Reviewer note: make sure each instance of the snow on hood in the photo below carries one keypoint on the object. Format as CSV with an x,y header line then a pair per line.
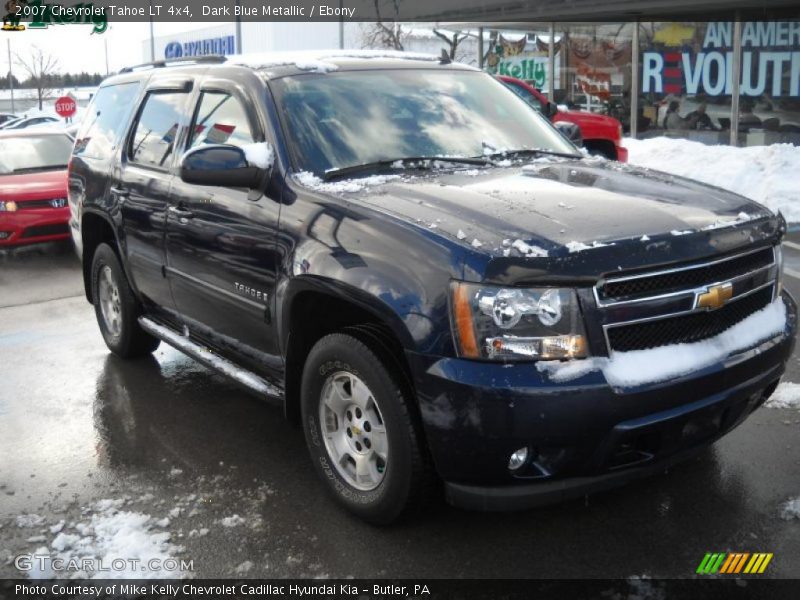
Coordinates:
x,y
640,367
557,207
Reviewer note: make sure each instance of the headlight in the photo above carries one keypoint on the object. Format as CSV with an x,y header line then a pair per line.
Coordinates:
x,y
517,323
8,206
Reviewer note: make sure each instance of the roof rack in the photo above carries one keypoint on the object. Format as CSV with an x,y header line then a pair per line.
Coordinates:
x,y
159,64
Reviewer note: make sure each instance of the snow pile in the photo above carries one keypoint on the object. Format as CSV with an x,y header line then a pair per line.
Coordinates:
x,y
767,174
786,395
344,186
791,509
639,367
114,538
259,155
580,246
523,248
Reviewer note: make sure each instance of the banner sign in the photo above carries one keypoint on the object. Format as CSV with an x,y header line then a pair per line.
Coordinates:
x,y
770,62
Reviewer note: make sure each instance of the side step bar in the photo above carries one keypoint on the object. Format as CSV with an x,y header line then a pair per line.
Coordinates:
x,y
248,379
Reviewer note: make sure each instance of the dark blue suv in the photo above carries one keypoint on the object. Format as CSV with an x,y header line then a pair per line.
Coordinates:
x,y
428,278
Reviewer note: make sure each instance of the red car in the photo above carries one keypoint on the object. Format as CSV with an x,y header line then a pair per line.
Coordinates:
x,y
601,134
33,187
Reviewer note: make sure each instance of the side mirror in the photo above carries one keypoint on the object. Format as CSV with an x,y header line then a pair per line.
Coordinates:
x,y
570,131
551,110
227,166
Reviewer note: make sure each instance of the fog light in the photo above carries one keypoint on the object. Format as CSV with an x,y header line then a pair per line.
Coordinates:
x,y
518,459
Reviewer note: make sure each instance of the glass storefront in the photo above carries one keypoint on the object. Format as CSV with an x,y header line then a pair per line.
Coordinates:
x,y
683,75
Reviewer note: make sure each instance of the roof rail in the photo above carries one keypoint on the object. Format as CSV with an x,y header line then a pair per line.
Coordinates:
x,y
158,64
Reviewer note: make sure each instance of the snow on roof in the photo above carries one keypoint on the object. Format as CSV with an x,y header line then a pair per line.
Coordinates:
x,y
321,61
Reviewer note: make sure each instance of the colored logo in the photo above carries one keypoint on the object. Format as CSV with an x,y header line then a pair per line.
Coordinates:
x,y
715,297
13,15
173,50
733,563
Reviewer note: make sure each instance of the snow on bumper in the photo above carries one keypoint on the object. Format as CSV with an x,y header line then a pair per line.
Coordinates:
x,y
641,367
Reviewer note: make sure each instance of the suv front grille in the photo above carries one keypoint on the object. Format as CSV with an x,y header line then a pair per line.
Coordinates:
x,y
684,278
687,328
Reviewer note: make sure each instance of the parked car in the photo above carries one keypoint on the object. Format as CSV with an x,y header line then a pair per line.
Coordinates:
x,y
33,187
427,277
6,117
601,134
32,122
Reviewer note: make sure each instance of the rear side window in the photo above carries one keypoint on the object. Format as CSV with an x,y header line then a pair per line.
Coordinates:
x,y
154,134
221,119
105,120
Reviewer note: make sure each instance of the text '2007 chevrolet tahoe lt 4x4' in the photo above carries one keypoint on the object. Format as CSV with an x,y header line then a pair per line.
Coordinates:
x,y
427,276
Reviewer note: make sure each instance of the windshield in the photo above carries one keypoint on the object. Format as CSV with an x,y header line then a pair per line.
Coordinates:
x,y
34,153
342,119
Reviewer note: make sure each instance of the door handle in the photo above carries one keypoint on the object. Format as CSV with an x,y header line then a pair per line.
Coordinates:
x,y
180,213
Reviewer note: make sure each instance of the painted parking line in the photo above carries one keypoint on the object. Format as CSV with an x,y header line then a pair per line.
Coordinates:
x,y
791,244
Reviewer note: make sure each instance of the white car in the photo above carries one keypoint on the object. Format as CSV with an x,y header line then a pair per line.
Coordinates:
x,y
32,122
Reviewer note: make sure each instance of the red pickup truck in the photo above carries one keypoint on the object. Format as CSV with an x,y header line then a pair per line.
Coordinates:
x,y
601,134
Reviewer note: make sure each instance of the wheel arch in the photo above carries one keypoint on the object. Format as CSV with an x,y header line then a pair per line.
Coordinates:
x,y
314,307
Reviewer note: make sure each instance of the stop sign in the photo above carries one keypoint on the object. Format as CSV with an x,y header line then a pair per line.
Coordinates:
x,y
65,106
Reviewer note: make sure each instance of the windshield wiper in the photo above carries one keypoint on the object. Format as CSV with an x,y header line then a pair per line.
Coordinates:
x,y
390,162
522,152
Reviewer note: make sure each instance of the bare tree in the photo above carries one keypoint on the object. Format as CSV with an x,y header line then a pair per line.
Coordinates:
x,y
452,39
40,67
382,33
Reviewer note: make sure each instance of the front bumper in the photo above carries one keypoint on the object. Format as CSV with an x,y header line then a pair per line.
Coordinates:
x,y
583,435
31,226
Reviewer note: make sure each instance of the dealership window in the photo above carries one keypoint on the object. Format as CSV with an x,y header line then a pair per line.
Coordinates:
x,y
593,68
157,128
221,119
687,77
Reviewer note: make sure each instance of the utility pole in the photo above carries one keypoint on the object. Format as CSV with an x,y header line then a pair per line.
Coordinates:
x,y
238,29
152,40
10,77
105,43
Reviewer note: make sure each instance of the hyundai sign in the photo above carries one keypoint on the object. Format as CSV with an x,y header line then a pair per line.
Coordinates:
x,y
219,45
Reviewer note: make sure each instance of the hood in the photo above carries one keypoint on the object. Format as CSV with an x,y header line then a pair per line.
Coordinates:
x,y
554,208
589,118
34,186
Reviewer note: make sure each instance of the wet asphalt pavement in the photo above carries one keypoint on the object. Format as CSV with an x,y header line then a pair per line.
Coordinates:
x,y
167,437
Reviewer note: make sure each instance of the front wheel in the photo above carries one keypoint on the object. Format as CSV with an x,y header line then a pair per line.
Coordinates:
x,y
116,308
365,443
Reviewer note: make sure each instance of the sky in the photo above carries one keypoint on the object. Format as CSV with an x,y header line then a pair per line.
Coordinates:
x,y
78,49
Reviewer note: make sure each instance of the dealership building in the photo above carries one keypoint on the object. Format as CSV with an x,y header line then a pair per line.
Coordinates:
x,y
637,64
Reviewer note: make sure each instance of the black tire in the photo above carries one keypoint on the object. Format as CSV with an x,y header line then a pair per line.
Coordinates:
x,y
408,481
130,340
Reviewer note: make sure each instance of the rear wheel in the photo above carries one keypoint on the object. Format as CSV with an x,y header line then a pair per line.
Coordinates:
x,y
116,308
365,443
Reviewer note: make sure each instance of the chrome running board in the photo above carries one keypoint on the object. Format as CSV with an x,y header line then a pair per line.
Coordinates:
x,y
248,379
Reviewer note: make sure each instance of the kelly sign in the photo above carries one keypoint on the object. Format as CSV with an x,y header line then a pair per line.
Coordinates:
x,y
770,57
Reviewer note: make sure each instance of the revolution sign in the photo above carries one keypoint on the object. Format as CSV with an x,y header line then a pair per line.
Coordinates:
x,y
770,60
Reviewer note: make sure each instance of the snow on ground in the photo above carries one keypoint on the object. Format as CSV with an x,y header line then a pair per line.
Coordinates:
x,y
639,367
787,395
114,537
767,174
